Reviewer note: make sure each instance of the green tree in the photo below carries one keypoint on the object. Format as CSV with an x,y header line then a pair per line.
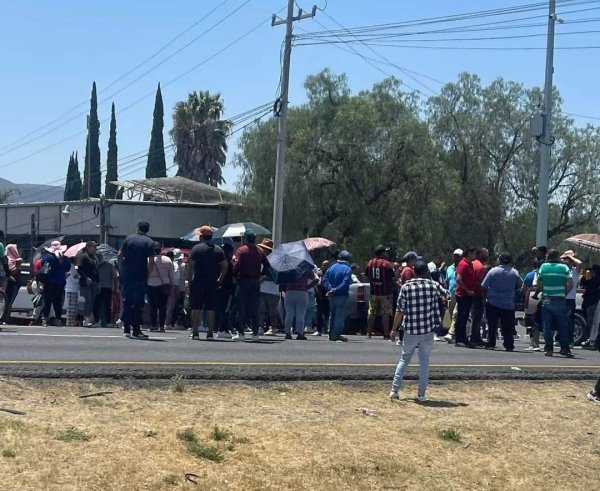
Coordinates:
x,y
73,182
157,165
200,137
92,172
112,171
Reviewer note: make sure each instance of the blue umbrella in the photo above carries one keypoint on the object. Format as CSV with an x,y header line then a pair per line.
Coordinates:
x,y
290,262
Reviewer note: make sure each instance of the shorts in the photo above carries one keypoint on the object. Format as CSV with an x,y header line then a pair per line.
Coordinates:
x,y
204,297
380,305
268,304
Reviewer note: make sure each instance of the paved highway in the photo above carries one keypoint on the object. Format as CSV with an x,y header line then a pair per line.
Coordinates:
x,y
67,351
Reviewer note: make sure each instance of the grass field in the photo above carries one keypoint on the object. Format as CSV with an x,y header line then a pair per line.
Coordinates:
x,y
306,436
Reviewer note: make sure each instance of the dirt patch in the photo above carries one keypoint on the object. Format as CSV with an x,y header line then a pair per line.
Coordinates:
x,y
304,436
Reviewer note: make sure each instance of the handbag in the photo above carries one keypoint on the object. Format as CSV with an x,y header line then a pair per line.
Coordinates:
x,y
166,287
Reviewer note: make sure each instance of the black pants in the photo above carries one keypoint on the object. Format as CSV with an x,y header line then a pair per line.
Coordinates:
x,y
506,318
158,304
224,308
53,297
323,311
12,289
248,294
463,304
103,307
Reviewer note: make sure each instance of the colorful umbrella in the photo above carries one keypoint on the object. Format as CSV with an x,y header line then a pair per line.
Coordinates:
x,y
75,249
313,243
239,229
588,245
289,262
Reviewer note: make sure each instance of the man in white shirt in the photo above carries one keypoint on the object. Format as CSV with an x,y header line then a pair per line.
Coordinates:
x,y
570,259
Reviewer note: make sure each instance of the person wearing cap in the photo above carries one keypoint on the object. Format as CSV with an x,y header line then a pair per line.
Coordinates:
x,y
417,313
466,281
555,281
336,282
500,287
451,280
575,265
249,265
269,295
53,275
135,264
88,283
206,271
380,274
409,259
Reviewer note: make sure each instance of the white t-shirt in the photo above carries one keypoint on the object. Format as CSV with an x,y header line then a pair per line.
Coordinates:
x,y
72,281
269,287
572,295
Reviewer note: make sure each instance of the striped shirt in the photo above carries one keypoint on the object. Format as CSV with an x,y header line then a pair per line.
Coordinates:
x,y
554,278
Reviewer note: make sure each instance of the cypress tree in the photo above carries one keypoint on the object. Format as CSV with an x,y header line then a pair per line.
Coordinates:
x,y
157,165
112,173
92,153
73,184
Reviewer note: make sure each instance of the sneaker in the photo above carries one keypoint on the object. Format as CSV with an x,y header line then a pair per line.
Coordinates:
x,y
255,338
394,395
533,348
421,399
593,397
223,335
141,335
44,323
517,336
261,331
88,324
343,339
210,336
238,337
566,354
127,335
195,336
316,333
119,323
449,338
398,343
288,336
270,332
301,337
548,353
438,338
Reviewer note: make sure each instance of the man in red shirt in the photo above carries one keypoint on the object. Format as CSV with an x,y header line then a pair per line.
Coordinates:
x,y
250,262
380,274
478,301
466,280
410,258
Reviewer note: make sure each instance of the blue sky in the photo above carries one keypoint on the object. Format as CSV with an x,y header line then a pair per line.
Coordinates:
x,y
52,51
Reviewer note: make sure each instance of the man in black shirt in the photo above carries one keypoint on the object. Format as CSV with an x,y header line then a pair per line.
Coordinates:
x,y
206,272
134,267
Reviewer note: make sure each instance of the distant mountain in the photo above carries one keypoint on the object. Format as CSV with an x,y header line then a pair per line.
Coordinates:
x,y
32,193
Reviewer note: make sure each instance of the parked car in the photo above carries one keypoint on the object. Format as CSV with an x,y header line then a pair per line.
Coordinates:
x,y
358,307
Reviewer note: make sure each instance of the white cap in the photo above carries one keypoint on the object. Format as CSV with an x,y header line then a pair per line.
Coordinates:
x,y
458,252
432,267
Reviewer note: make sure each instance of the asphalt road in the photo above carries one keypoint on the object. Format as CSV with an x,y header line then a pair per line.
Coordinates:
x,y
79,352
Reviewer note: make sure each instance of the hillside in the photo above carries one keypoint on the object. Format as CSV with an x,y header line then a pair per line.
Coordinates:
x,y
30,193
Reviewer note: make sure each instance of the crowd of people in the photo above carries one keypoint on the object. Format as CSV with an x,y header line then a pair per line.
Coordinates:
x,y
229,290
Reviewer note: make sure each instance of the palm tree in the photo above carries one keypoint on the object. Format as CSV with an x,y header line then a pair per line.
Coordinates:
x,y
200,137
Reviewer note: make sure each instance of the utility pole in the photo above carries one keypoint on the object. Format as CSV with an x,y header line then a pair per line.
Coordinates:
x,y
89,159
546,139
282,127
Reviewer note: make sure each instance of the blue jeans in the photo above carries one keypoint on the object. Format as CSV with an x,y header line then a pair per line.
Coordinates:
x,y
337,318
555,311
422,342
248,298
133,303
89,294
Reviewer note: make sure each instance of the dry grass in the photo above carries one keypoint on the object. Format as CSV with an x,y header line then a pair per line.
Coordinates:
x,y
313,436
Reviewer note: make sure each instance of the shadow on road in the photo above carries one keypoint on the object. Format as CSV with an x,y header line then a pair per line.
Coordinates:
x,y
442,404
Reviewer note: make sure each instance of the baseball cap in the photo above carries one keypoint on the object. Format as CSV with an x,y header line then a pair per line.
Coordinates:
x,y
458,252
91,243
380,248
250,234
344,255
421,267
411,256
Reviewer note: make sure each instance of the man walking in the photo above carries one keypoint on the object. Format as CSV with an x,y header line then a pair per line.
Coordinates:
x,y
337,282
89,283
249,264
380,274
418,314
500,286
466,281
206,271
554,281
134,265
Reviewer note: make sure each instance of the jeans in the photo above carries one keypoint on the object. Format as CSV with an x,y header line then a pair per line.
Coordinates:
x,y
133,303
463,307
12,289
593,326
248,298
477,308
555,310
506,318
104,306
224,308
337,318
311,311
422,342
571,304
89,294
296,303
